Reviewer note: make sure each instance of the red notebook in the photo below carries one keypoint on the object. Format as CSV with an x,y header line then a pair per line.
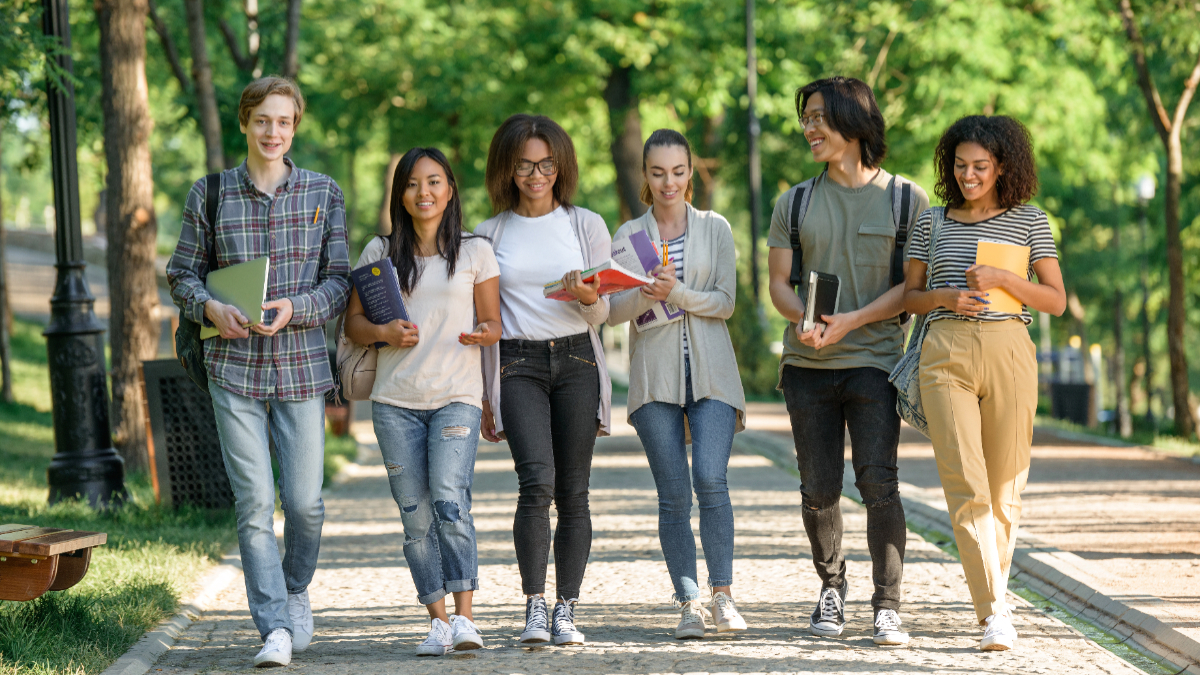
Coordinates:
x,y
613,279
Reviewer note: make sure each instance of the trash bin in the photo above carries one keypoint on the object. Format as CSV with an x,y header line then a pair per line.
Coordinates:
x,y
1070,401
186,466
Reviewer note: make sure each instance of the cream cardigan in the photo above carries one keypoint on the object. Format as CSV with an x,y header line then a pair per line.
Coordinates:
x,y
596,245
707,295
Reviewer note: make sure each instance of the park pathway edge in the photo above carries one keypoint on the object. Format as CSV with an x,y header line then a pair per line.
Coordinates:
x,y
1047,570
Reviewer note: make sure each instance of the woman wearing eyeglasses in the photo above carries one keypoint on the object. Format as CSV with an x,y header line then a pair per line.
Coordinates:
x,y
546,389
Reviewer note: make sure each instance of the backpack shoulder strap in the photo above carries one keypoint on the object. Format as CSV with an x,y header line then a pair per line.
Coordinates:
x,y
212,201
801,196
902,206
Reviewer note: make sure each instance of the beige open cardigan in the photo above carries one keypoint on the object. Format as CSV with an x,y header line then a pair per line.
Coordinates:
x,y
596,245
707,295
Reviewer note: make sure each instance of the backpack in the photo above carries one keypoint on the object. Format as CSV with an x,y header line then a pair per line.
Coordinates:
x,y
902,208
188,346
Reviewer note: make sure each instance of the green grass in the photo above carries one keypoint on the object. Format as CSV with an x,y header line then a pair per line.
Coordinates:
x,y
152,558
1142,435
339,451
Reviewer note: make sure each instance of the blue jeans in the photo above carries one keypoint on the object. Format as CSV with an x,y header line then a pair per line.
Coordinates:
x,y
712,424
430,461
298,428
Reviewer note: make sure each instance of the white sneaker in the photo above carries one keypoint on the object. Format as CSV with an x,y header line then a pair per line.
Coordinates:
x,y
725,613
691,621
465,632
887,628
277,651
999,635
437,643
829,618
537,625
300,612
563,628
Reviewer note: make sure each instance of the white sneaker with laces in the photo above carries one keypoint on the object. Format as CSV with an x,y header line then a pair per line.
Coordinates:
x,y
438,642
887,628
999,635
277,651
465,633
691,622
725,613
563,629
829,618
537,624
300,612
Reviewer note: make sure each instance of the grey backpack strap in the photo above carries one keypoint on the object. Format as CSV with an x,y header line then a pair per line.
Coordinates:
x,y
801,196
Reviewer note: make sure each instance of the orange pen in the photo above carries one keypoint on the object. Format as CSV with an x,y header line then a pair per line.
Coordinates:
x,y
318,213
664,254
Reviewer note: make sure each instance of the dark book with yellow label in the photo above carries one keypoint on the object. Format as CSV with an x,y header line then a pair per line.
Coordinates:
x,y
379,292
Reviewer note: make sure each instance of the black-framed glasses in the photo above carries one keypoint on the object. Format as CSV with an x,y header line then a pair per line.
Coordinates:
x,y
815,119
546,167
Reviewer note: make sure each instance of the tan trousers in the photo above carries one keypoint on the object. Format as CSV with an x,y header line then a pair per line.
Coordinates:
x,y
979,390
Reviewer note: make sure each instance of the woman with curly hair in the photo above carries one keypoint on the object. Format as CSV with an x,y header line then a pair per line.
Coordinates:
x,y
978,370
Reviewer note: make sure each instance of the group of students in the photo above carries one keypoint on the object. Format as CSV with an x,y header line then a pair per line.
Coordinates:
x,y
485,353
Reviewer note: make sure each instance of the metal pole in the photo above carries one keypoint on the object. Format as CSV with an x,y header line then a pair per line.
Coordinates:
x,y
84,462
755,164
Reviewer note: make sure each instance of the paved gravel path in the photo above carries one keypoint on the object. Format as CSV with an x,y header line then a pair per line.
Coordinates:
x,y
367,619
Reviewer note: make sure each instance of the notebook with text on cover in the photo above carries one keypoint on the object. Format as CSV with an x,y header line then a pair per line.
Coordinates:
x,y
378,290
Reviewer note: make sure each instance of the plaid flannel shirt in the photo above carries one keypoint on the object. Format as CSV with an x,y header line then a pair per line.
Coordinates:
x,y
310,265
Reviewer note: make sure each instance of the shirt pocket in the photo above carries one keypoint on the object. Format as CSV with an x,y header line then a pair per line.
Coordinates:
x,y
874,244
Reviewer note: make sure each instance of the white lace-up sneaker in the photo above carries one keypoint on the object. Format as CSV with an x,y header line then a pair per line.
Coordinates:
x,y
300,612
537,624
465,632
999,635
829,618
887,628
438,642
277,651
691,622
563,629
725,613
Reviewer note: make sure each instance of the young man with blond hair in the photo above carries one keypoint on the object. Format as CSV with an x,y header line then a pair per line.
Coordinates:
x,y
270,378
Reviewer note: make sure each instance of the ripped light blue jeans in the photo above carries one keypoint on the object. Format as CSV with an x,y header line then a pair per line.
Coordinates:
x,y
430,461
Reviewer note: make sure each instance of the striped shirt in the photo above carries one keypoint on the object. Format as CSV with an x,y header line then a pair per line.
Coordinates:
x,y
675,252
309,265
1023,225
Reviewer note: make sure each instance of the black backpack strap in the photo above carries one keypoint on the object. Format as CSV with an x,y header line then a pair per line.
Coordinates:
x,y
212,199
902,232
801,195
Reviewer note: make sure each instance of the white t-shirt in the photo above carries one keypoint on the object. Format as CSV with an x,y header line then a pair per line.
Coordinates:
x,y
534,252
437,371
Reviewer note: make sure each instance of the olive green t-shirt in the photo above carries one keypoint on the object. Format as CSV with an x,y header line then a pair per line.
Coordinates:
x,y
850,233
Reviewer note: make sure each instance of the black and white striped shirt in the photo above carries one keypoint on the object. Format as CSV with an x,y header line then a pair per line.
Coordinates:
x,y
1023,225
675,252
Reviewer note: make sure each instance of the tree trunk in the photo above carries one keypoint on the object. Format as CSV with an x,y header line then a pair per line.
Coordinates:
x,y
1185,421
625,124
6,393
385,207
707,161
132,227
291,52
1119,379
206,95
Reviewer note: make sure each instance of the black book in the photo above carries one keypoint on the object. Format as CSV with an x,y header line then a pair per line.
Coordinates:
x,y
823,292
379,292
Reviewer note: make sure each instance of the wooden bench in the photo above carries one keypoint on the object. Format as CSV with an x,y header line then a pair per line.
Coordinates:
x,y
34,560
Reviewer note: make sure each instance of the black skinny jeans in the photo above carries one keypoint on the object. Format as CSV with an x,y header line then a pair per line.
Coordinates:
x,y
822,404
549,393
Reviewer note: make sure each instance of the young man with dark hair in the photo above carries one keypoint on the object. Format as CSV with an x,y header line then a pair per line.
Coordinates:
x,y
272,377
851,221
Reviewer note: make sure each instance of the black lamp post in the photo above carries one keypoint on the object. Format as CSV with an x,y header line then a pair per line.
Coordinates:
x,y
85,462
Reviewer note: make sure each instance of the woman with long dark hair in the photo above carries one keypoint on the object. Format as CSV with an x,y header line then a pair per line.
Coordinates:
x,y
548,391
978,371
684,386
427,394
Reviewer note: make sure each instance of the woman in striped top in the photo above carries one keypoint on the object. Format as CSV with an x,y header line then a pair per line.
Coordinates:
x,y
684,385
978,366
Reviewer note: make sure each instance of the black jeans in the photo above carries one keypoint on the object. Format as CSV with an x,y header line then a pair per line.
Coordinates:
x,y
549,393
822,404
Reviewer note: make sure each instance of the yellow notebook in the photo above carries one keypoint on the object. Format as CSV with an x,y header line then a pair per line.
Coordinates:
x,y
1009,257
